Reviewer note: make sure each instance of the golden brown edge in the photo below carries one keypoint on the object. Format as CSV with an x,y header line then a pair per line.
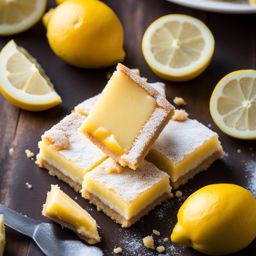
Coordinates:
x,y
202,167
116,216
54,171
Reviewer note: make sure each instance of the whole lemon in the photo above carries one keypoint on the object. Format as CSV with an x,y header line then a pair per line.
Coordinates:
x,y
217,219
85,33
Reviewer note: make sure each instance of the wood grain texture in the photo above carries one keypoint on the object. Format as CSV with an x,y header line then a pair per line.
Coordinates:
x,y
235,49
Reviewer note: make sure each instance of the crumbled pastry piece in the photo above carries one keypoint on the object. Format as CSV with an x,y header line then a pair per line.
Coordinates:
x,y
179,101
178,194
156,232
160,248
11,151
113,167
148,242
118,250
180,115
29,153
166,239
28,185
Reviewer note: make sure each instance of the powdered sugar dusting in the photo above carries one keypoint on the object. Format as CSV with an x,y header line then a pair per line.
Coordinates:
x,y
129,184
179,139
250,170
80,150
146,135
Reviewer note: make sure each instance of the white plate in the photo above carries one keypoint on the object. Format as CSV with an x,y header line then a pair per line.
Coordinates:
x,y
218,5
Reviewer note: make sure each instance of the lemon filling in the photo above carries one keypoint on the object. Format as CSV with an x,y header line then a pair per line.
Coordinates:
x,y
60,206
120,113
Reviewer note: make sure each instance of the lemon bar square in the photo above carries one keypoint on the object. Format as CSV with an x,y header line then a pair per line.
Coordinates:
x,y
127,196
127,118
68,154
60,208
2,235
183,149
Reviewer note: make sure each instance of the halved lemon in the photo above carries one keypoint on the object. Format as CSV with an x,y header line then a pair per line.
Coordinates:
x,y
233,104
23,82
19,15
178,47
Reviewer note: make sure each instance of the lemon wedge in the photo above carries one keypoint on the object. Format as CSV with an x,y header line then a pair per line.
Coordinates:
x,y
178,47
23,82
233,104
217,219
19,15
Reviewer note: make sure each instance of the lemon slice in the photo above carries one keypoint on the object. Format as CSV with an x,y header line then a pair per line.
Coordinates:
x,y
23,82
178,47
233,104
19,15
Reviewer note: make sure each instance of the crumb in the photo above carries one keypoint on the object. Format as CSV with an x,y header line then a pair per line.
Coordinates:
x,y
209,125
11,151
113,167
29,154
28,185
118,250
166,239
109,74
148,242
239,150
179,101
180,115
156,232
178,194
160,248
76,198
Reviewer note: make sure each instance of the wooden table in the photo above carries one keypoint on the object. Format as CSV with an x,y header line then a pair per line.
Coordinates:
x,y
235,49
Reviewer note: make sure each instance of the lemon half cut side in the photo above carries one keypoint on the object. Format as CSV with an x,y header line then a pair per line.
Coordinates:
x,y
233,104
178,47
19,15
23,82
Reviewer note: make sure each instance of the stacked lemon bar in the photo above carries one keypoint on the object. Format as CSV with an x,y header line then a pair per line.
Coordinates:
x,y
100,148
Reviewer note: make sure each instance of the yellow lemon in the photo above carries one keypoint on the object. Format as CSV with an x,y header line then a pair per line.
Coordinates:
x,y
217,219
178,47
86,34
23,82
2,235
233,104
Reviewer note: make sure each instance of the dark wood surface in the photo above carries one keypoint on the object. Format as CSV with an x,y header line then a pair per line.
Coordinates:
x,y
235,49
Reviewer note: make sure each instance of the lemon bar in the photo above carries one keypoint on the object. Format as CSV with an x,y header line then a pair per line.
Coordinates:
x,y
2,235
127,118
183,149
62,209
68,154
129,195
85,107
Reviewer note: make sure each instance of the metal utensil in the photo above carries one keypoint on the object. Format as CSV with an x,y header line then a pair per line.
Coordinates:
x,y
49,237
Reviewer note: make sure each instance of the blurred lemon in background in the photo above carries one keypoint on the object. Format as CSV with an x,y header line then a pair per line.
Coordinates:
x,y
217,219
178,47
86,34
19,15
